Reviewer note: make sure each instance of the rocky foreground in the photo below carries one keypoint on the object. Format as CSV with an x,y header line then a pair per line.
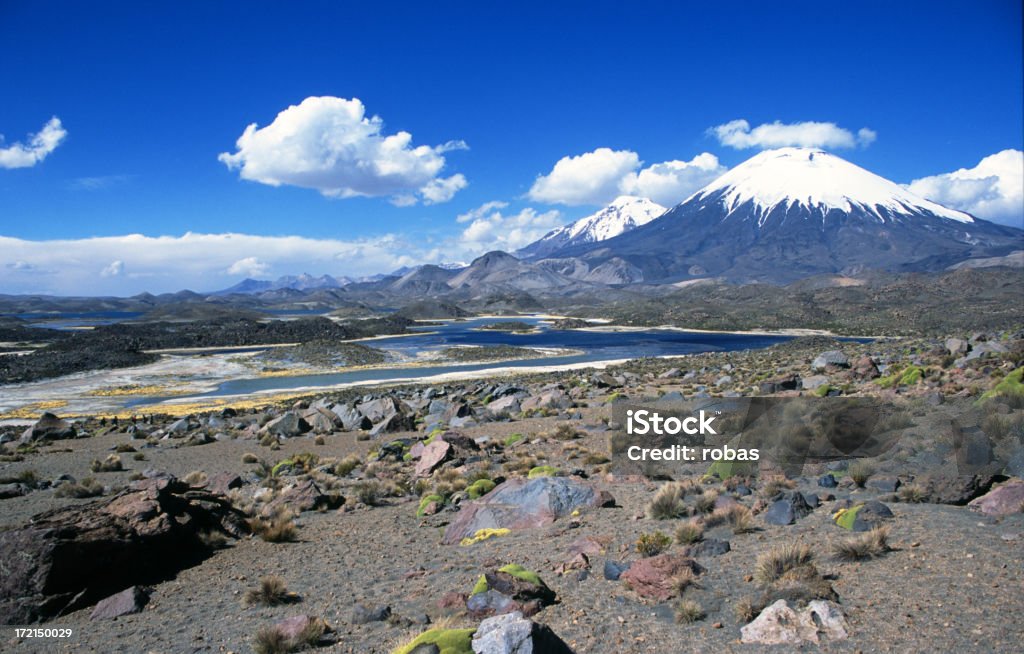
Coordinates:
x,y
486,517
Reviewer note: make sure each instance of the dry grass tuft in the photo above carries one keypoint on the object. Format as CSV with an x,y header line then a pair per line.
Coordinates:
x,y
272,591
779,560
868,545
110,464
859,472
652,544
689,532
688,612
667,503
88,487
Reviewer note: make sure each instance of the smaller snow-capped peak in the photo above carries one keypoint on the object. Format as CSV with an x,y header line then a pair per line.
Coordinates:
x,y
815,179
623,214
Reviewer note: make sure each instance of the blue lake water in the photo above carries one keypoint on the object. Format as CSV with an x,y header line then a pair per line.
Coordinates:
x,y
593,346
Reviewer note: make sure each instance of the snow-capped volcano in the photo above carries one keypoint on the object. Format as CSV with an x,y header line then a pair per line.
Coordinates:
x,y
626,212
818,182
794,212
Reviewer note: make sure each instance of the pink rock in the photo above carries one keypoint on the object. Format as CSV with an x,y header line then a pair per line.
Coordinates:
x,y
652,577
433,455
1004,499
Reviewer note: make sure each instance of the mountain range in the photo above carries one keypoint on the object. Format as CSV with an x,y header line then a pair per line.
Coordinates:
x,y
783,215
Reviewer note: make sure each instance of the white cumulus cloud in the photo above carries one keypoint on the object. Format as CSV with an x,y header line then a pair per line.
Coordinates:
x,y
490,229
808,134
41,144
598,177
993,190
330,145
249,267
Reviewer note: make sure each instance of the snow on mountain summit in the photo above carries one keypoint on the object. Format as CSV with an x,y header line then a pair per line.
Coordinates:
x,y
815,179
623,214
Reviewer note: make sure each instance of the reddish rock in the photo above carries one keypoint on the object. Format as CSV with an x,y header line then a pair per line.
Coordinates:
x,y
433,456
1004,499
652,577
223,482
68,558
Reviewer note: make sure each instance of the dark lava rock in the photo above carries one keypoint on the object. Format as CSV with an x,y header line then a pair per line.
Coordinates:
x,y
507,592
68,558
827,481
710,547
363,615
947,488
614,569
787,510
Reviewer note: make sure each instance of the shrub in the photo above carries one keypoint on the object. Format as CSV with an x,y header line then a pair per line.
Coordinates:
x,y
912,494
111,464
867,545
368,492
272,591
689,531
688,612
860,471
347,465
667,503
774,563
652,544
88,487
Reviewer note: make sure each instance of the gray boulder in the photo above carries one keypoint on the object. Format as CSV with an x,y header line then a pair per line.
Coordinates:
x,y
511,633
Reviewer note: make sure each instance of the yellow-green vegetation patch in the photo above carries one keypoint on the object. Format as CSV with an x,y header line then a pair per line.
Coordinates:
x,y
822,390
513,439
484,534
433,435
726,469
447,641
1012,384
907,377
513,569
425,501
479,488
845,518
542,471
128,390
32,410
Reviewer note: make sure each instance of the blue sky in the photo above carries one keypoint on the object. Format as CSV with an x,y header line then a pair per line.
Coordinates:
x,y
149,95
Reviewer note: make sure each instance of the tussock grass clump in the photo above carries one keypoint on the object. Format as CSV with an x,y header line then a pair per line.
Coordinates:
x,y
272,591
867,545
689,532
779,560
278,528
683,580
139,456
595,459
347,465
270,640
912,494
860,472
741,519
124,448
249,457
775,486
88,487
688,612
705,502
368,492
319,440
668,503
110,464
213,539
566,432
195,478
652,544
